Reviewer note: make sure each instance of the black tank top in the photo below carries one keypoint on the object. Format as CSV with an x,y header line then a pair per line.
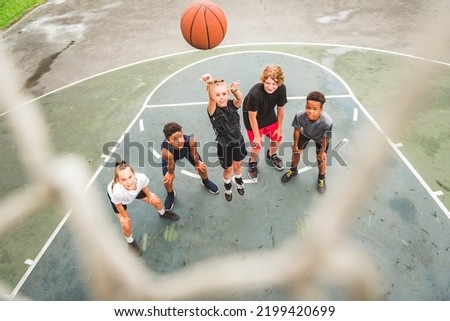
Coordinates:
x,y
226,124
178,153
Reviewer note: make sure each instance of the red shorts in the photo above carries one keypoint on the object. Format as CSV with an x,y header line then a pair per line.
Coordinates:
x,y
268,131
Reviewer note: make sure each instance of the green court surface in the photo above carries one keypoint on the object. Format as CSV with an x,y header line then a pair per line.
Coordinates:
x,y
403,225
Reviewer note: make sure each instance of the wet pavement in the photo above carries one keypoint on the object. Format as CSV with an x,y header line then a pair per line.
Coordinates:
x,y
64,42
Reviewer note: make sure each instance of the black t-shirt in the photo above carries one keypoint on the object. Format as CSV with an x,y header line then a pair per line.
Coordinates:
x,y
226,124
260,101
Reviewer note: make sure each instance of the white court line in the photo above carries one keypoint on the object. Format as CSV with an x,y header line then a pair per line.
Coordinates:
x,y
200,103
185,172
400,154
340,145
145,105
141,125
154,152
39,256
355,114
439,193
304,169
313,44
398,145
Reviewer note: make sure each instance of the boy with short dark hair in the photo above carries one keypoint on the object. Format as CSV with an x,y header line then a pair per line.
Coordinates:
x,y
177,146
311,124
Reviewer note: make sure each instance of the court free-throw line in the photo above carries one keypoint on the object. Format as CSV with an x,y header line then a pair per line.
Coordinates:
x,y
177,105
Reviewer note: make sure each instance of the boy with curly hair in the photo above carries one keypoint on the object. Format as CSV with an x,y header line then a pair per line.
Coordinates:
x,y
261,119
177,146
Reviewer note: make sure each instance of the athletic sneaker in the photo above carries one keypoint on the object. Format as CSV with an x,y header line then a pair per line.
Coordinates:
x,y
210,186
170,215
288,175
239,186
321,186
228,195
252,171
170,200
133,247
275,161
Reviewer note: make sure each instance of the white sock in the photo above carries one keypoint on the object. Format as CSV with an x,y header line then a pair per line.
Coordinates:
x,y
238,175
227,181
130,239
161,211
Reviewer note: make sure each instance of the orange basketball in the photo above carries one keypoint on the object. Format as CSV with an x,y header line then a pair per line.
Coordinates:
x,y
203,25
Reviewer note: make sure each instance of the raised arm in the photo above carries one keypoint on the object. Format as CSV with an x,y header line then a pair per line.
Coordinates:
x,y
209,80
238,97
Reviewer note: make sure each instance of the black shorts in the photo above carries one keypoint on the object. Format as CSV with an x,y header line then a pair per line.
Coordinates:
x,y
189,158
231,152
139,196
303,141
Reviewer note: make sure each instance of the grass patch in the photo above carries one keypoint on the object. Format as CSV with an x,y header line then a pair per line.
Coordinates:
x,y
12,10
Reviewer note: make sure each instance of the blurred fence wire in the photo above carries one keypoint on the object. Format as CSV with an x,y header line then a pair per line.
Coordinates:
x,y
306,267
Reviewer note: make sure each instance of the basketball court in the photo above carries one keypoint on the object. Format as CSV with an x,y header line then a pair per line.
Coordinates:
x,y
402,225
402,222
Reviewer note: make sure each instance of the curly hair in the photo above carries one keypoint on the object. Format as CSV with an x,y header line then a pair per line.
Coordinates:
x,y
171,128
316,96
272,71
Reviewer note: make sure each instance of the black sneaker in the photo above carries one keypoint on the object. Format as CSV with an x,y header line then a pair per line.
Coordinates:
x,y
239,186
288,175
321,185
170,200
275,161
228,195
134,248
170,215
210,186
253,171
